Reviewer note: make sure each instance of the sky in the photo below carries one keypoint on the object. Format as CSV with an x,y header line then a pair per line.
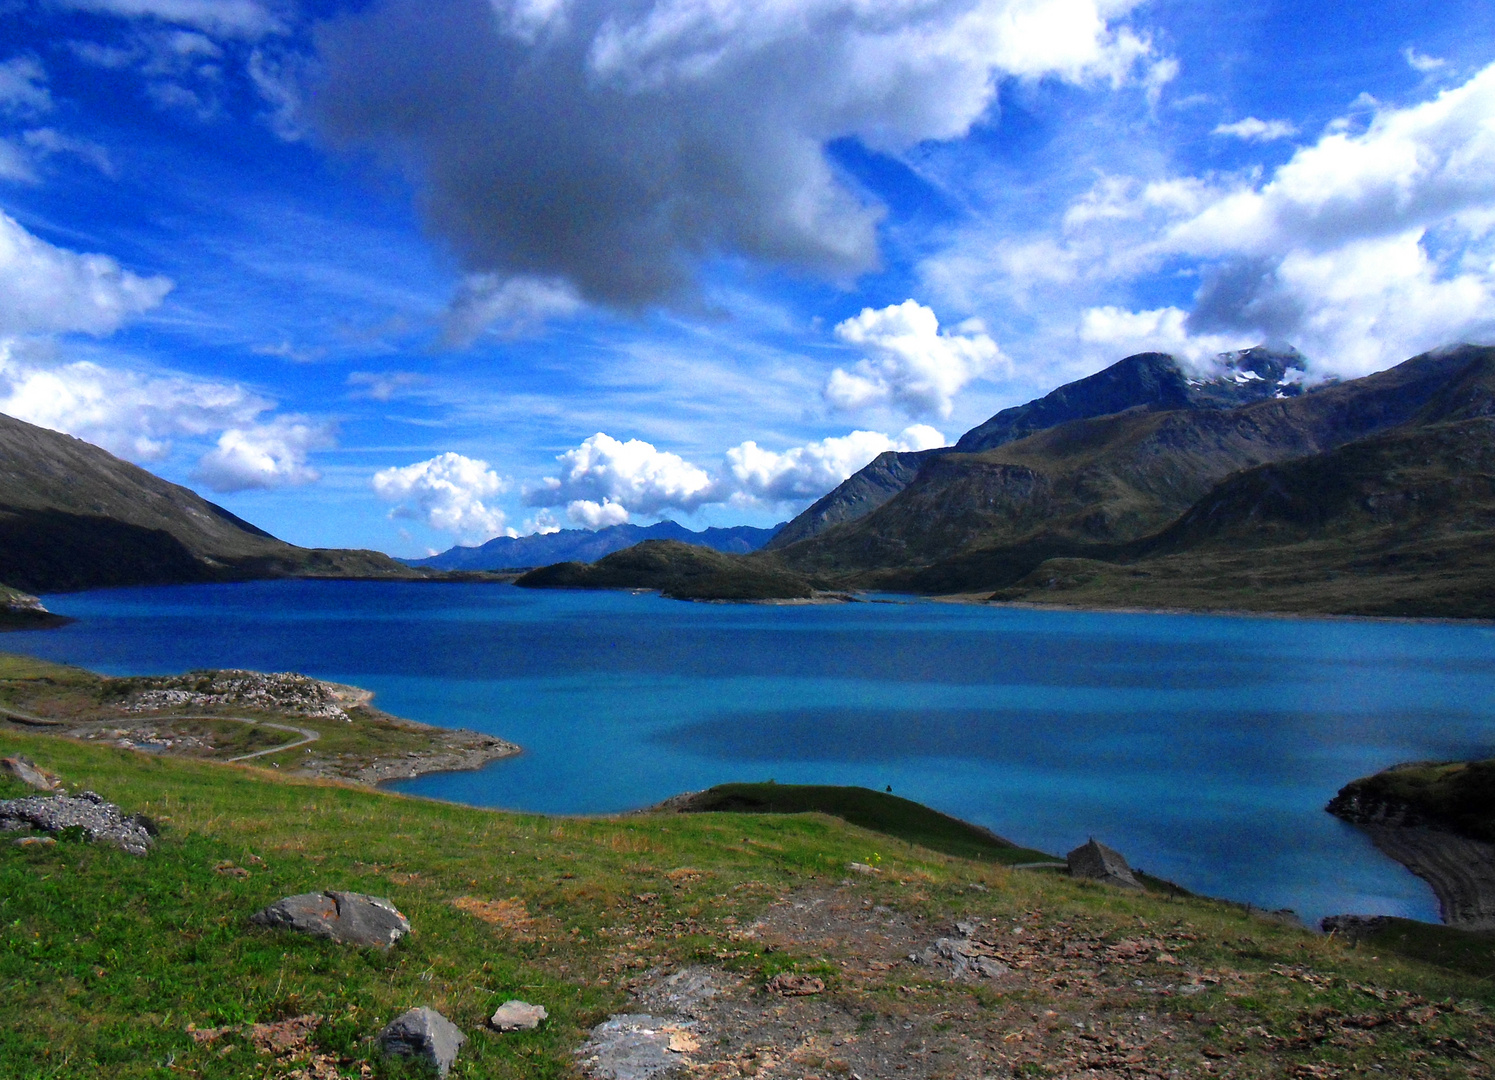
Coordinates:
x,y
403,275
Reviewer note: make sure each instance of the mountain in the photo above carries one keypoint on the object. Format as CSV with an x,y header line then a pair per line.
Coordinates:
x,y
682,571
73,516
1091,487
1152,381
585,545
1370,496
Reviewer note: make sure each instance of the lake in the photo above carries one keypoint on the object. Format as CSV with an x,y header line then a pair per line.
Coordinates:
x,y
1202,747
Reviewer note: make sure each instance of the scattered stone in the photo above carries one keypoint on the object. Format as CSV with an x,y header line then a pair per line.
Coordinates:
x,y
349,918
795,985
1094,861
632,1046
34,841
423,1033
97,820
517,1016
228,869
863,868
687,992
27,772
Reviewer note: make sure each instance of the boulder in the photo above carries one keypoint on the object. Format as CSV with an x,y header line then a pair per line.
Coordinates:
x,y
88,813
425,1034
517,1016
346,917
1094,861
26,771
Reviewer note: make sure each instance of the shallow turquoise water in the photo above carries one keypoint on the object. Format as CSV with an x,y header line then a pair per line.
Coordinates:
x,y
1202,747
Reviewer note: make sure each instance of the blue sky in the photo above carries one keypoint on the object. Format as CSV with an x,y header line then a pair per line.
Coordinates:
x,y
399,275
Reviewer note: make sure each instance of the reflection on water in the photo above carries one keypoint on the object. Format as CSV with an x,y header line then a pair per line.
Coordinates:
x,y
1202,747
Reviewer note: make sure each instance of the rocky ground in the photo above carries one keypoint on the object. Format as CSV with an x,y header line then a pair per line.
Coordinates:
x,y
281,720
901,995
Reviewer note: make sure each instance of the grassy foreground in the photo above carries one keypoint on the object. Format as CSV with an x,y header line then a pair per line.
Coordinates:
x,y
107,961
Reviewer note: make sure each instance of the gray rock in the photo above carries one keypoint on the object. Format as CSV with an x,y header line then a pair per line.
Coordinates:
x,y
34,841
632,1046
517,1016
426,1034
349,918
1094,861
26,771
100,821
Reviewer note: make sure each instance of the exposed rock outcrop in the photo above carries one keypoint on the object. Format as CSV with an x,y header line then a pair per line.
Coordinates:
x,y
100,821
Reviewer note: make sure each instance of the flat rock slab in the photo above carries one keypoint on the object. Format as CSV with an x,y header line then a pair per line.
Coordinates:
x,y
636,1046
345,917
101,821
517,1016
426,1034
1094,861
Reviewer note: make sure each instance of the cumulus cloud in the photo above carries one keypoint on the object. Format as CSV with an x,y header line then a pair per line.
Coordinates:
x,y
135,415
614,146
594,515
809,471
224,18
1371,244
1253,130
511,305
449,492
910,364
269,455
47,289
632,475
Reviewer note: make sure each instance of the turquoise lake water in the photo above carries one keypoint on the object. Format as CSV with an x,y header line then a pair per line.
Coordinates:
x,y
1202,747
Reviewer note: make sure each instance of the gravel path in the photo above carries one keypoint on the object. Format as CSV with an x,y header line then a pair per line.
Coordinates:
x,y
307,735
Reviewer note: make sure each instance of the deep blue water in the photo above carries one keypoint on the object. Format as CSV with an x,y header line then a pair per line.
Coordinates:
x,y
1202,747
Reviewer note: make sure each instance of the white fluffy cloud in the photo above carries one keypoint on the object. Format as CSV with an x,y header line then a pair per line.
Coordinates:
x,y
809,471
1253,130
1372,243
268,455
450,492
47,289
132,414
616,144
632,475
910,364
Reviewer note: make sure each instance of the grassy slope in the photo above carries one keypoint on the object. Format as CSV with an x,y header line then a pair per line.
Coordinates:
x,y
873,810
105,959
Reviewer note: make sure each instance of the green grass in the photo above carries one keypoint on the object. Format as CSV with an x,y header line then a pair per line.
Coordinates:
x,y
875,811
106,959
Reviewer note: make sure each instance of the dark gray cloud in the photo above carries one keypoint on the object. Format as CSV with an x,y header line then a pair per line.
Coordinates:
x,y
615,146
1245,296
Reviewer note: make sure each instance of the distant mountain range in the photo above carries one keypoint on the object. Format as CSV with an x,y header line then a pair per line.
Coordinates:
x,y
1141,485
585,545
73,516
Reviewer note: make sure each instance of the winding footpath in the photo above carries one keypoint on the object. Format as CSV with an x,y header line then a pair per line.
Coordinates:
x,y
307,735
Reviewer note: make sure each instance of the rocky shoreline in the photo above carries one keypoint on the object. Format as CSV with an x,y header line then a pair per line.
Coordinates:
x,y
1412,814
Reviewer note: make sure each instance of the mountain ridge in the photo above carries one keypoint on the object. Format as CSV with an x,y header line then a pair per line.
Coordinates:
x,y
588,545
74,516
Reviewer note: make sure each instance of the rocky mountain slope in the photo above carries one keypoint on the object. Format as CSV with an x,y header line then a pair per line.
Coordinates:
x,y
588,545
1097,487
73,516
1151,381
1372,496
